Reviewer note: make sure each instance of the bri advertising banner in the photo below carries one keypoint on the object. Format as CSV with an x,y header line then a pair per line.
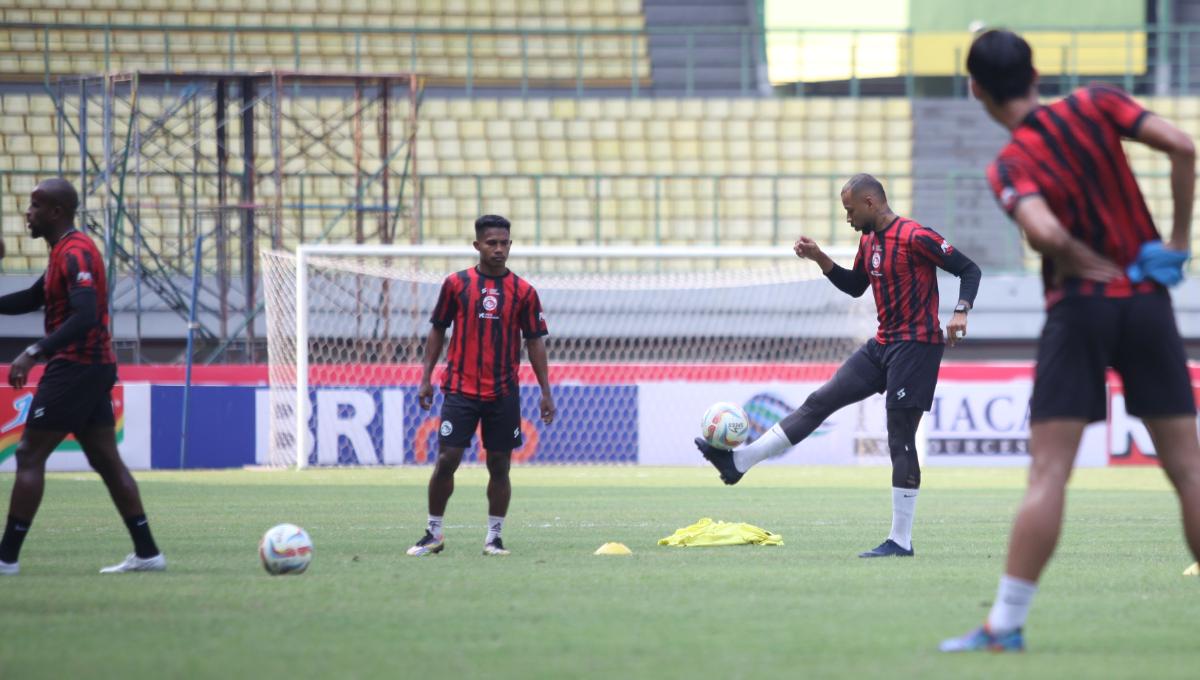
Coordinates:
x,y
386,426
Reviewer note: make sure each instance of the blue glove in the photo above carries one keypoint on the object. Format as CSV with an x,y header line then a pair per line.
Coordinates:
x,y
1158,263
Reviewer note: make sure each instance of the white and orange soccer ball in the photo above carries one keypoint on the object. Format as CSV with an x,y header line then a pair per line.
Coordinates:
x,y
285,549
724,425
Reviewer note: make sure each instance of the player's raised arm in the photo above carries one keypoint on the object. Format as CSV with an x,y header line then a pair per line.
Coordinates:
x,y
24,301
1178,146
853,282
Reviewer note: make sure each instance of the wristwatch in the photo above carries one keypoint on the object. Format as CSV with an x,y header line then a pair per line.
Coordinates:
x,y
962,308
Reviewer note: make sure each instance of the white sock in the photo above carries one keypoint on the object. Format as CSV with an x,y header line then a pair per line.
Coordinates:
x,y
495,526
773,443
435,526
1011,608
904,506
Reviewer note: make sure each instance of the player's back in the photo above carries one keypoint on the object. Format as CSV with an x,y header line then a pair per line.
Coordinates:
x,y
1070,153
75,262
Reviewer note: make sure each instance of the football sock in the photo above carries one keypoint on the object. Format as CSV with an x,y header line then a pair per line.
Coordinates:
x,y
773,443
435,526
1011,608
495,526
139,531
14,535
904,506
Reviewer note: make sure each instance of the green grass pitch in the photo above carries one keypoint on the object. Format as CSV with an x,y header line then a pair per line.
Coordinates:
x,y
1113,604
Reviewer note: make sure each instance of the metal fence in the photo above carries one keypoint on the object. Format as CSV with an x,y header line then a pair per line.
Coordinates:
x,y
1149,58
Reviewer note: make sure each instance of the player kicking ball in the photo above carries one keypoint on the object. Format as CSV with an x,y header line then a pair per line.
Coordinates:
x,y
1065,180
897,259
74,395
491,309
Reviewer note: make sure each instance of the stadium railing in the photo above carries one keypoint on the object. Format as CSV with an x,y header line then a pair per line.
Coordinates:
x,y
827,61
593,210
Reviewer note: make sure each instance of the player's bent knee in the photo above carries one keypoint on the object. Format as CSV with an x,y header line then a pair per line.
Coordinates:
x,y
29,455
447,462
499,462
25,456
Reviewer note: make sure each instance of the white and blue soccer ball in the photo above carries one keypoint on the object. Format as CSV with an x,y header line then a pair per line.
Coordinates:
x,y
725,425
285,549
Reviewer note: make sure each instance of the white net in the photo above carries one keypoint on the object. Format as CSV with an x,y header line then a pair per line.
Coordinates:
x,y
617,318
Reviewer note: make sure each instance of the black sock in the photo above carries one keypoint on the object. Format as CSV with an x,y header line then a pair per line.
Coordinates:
x,y
14,536
139,531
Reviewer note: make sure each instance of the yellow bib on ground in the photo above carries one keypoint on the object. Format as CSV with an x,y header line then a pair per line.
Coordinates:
x,y
709,533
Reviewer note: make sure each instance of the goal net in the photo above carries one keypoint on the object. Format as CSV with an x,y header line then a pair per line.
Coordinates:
x,y
347,327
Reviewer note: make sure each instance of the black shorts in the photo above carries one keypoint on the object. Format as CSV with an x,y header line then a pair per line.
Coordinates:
x,y
500,419
1137,336
73,397
906,371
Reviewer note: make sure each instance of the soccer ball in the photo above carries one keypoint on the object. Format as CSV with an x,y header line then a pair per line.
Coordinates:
x,y
285,549
724,425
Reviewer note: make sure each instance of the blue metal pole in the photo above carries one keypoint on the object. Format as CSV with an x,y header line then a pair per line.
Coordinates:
x,y
191,335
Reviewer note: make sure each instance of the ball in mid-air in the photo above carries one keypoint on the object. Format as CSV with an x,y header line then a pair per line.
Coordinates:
x,y
724,425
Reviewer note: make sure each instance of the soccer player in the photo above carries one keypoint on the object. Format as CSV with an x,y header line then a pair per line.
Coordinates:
x,y
1064,179
74,395
896,259
491,309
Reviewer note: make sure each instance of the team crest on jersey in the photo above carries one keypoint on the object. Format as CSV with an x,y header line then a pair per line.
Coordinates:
x,y
446,429
487,307
83,277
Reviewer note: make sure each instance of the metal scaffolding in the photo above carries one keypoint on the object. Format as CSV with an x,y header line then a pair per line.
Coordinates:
x,y
244,160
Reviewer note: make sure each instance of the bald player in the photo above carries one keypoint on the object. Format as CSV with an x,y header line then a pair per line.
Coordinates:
x,y
74,395
896,259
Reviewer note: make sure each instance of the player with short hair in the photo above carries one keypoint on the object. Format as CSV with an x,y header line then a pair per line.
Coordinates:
x,y
491,309
74,395
1065,180
897,259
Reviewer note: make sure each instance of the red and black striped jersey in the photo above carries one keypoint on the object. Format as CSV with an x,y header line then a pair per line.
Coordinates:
x,y
490,314
75,262
1070,154
900,262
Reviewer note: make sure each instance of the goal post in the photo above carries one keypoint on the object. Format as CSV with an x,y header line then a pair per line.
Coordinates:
x,y
347,326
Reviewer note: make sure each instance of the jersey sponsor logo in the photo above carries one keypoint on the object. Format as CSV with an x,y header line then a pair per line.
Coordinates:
x,y
446,429
83,277
1008,197
947,248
